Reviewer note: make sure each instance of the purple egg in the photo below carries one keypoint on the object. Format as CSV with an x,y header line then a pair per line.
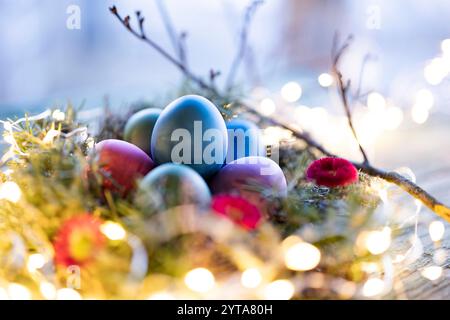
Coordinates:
x,y
250,175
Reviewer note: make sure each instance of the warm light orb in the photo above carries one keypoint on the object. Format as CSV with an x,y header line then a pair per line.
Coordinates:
x,y
267,107
199,280
393,118
375,101
279,290
325,80
291,91
436,230
67,294
251,278
419,114
18,292
35,261
113,231
47,290
378,242
373,287
10,191
302,257
432,273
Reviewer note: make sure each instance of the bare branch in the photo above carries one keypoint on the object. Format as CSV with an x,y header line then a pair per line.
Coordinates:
x,y
344,88
141,35
367,57
243,39
213,74
407,185
178,41
183,50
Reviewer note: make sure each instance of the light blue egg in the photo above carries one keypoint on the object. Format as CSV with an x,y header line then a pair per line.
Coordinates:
x,y
244,140
191,131
176,185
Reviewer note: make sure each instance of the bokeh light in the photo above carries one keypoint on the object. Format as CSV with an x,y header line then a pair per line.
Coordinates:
x,y
291,91
432,272
279,290
325,80
113,231
199,280
436,230
251,278
302,257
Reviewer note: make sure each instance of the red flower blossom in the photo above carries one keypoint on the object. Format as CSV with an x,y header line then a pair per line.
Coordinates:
x,y
237,209
78,240
332,172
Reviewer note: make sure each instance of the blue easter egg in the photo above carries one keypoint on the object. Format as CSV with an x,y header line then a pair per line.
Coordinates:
x,y
139,128
244,140
177,185
191,131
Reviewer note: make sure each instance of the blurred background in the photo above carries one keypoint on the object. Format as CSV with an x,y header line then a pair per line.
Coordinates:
x,y
47,59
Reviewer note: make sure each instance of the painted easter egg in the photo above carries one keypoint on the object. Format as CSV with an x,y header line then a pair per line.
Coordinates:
x,y
244,140
191,131
252,178
121,163
176,185
139,128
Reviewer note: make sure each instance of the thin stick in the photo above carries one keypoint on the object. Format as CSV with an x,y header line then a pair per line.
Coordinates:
x,y
344,88
142,36
243,39
178,41
410,187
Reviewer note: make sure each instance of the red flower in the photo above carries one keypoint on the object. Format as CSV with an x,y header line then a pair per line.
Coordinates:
x,y
332,172
78,240
237,209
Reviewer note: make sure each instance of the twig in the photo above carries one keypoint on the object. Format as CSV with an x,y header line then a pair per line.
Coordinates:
x,y
142,36
344,88
410,187
242,48
213,74
178,41
366,59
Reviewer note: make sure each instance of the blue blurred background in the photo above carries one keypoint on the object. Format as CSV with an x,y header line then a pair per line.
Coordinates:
x,y
42,62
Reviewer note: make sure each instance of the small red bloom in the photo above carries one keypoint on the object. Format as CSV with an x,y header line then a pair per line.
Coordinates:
x,y
78,240
237,209
332,172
